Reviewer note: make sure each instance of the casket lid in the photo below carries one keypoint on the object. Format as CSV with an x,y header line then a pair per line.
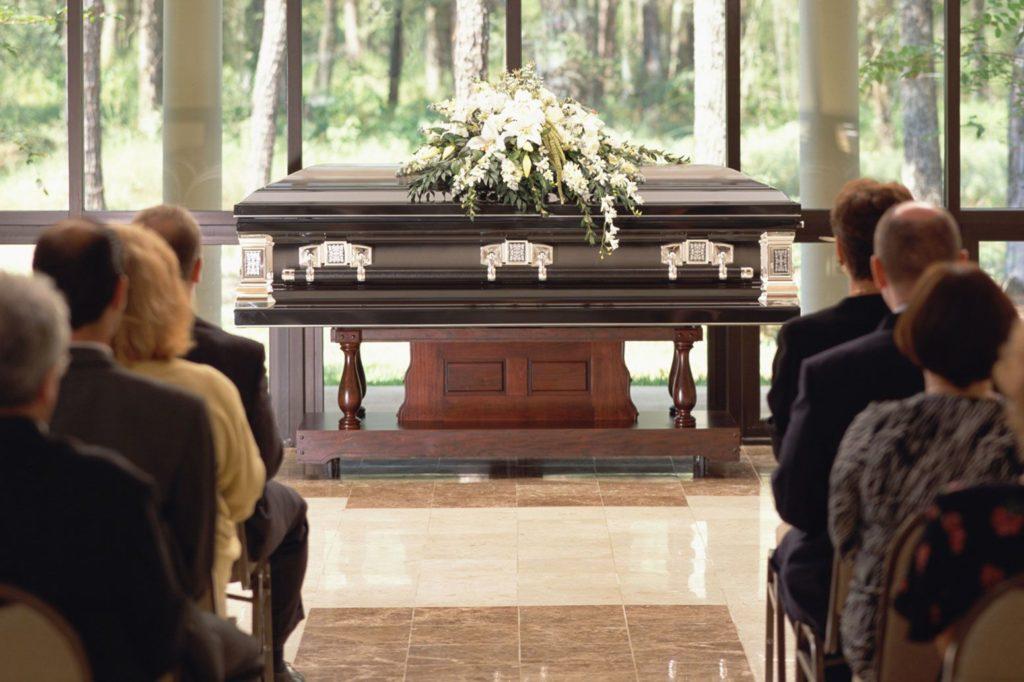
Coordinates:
x,y
375,190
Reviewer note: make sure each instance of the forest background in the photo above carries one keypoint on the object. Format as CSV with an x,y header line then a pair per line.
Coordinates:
x,y
654,70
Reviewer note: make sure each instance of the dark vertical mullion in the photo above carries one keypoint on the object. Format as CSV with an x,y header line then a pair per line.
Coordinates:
x,y
513,35
732,83
294,83
76,124
952,107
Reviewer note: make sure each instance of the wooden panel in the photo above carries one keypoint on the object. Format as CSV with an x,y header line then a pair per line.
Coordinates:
x,y
715,437
474,377
548,376
541,382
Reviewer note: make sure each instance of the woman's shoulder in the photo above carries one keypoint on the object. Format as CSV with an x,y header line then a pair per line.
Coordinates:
x,y
205,380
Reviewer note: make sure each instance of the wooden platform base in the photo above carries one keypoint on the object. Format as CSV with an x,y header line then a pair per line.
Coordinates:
x,y
715,437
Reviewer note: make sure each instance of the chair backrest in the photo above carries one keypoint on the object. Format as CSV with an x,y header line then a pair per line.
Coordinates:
x,y
842,574
987,645
36,643
897,658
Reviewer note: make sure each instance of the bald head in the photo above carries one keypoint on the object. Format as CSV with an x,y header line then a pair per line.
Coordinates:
x,y
910,237
84,259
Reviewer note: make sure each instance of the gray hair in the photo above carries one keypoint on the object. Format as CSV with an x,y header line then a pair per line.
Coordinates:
x,y
34,335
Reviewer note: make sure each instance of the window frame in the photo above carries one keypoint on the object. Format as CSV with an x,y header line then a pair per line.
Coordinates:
x,y
733,365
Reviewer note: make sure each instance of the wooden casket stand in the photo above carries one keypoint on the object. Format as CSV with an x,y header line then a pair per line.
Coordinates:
x,y
522,393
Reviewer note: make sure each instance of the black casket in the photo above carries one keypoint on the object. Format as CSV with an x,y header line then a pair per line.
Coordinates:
x,y
344,246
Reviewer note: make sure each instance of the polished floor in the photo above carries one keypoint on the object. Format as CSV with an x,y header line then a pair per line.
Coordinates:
x,y
564,571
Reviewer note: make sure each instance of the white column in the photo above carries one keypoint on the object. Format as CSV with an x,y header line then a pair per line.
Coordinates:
x,y
192,124
829,130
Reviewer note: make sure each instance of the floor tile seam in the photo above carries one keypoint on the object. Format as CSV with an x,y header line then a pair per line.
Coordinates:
x,y
629,639
408,644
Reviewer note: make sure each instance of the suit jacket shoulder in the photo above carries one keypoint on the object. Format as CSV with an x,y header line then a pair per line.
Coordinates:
x,y
808,335
243,361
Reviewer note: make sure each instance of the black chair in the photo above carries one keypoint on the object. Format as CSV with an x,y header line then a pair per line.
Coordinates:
x,y
254,577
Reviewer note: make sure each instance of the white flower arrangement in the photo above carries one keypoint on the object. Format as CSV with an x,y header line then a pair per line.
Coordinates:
x,y
516,143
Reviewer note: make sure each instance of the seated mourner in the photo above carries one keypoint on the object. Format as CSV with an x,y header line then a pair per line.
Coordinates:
x,y
834,387
897,455
278,529
153,335
854,216
161,429
78,525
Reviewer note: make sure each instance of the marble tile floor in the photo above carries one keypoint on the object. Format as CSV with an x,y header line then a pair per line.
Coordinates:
x,y
556,576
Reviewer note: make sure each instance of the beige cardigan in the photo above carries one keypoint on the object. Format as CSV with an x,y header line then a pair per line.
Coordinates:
x,y
240,471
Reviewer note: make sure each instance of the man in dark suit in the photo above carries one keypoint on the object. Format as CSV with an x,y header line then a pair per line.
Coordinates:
x,y
161,429
278,529
835,386
78,526
857,209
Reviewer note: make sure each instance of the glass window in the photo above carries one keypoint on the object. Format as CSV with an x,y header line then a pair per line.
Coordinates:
x,y
992,105
33,123
372,69
16,259
641,65
216,145
1004,262
901,84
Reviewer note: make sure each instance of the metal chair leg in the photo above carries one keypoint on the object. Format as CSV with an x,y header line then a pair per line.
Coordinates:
x,y
769,627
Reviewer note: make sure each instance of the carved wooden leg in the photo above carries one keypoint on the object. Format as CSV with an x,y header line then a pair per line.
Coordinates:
x,y
350,393
362,380
671,382
684,389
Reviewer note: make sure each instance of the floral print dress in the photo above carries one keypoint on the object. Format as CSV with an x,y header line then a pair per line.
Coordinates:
x,y
894,459
973,541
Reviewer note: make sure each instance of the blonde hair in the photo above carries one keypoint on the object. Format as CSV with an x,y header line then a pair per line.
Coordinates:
x,y
1009,377
157,323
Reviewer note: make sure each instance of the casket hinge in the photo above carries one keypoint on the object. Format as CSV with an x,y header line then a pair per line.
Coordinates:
x,y
697,252
333,254
517,252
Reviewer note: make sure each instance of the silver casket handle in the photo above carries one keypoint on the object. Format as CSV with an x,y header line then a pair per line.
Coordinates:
x,y
334,254
697,252
517,252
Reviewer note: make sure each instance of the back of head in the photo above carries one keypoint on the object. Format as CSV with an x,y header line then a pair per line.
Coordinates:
x,y
912,236
157,323
179,229
34,336
858,207
956,323
84,259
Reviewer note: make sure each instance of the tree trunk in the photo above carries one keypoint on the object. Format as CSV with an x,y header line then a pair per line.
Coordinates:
x,y
433,62
922,164
709,82
1015,174
784,62
554,61
395,59
108,41
652,41
269,71
470,54
605,49
353,45
326,47
150,66
92,36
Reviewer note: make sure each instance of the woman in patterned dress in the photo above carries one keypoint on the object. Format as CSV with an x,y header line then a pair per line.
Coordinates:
x,y
897,455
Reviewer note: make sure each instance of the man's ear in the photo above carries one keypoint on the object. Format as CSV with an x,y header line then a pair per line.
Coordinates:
x,y
964,256
197,271
878,273
120,299
839,255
